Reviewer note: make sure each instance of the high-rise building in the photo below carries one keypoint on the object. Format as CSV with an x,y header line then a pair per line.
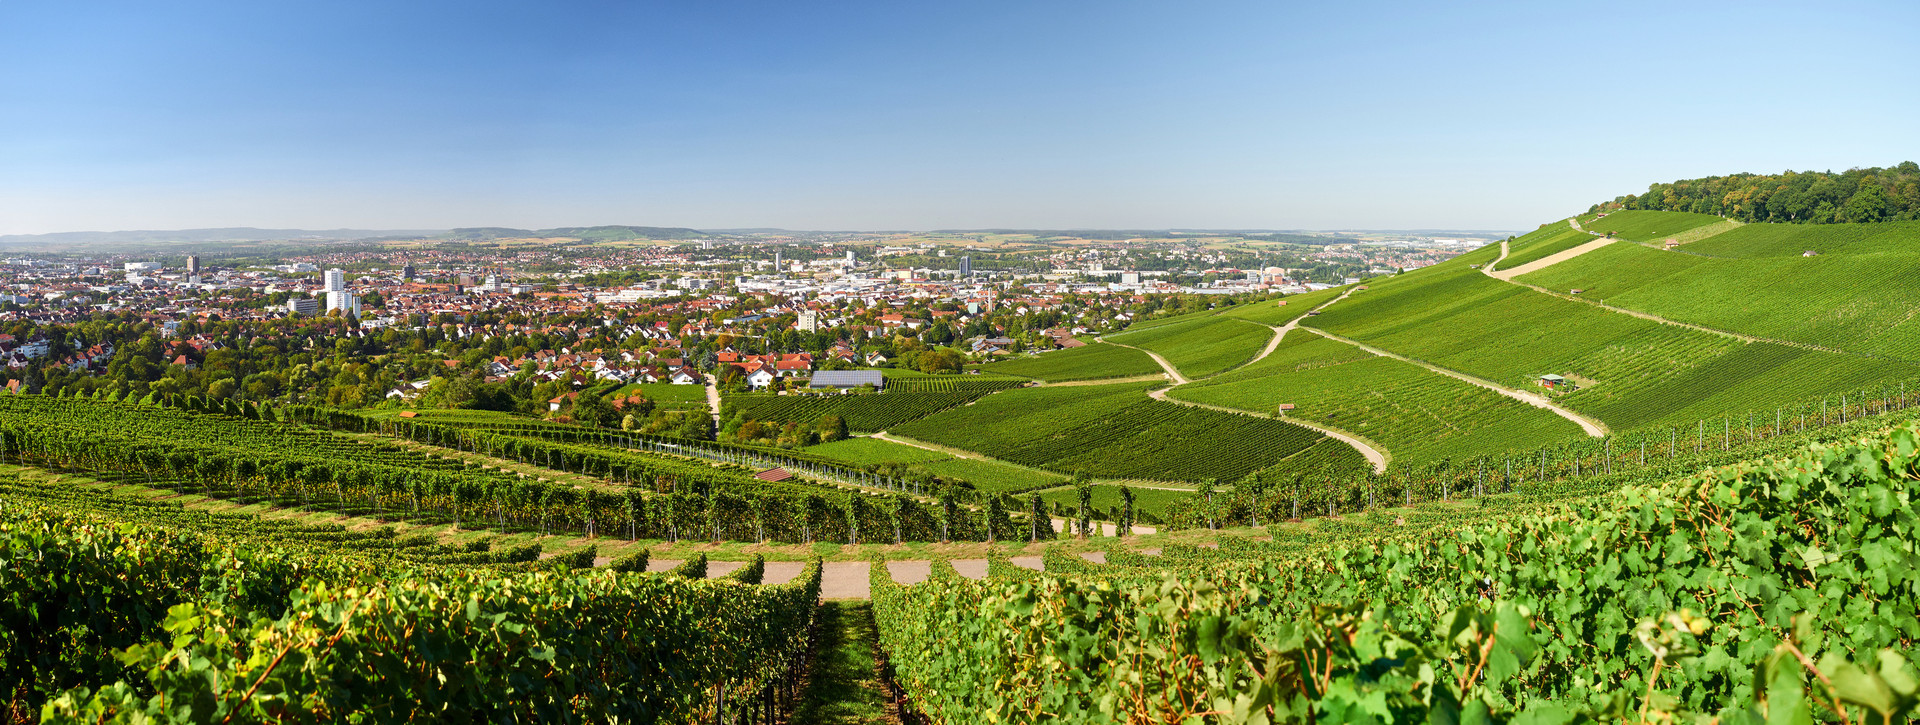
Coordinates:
x,y
849,256
406,271
966,266
776,261
193,264
809,321
303,305
336,281
344,301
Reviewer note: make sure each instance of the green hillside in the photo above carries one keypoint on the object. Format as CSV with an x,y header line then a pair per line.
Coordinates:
x,y
1094,361
1650,226
1203,345
1114,431
1632,372
1855,294
1419,415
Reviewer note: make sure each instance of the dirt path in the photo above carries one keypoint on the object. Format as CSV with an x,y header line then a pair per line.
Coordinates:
x,y
713,398
1173,373
1507,275
1369,450
1540,264
1592,426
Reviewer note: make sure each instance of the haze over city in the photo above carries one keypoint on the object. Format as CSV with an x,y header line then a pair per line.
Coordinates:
x,y
918,115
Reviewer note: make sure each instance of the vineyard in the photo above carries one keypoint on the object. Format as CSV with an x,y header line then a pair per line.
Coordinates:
x,y
1114,431
1853,295
1651,226
862,413
134,611
1543,243
1094,361
1768,591
1273,313
294,463
1632,372
1419,415
1201,346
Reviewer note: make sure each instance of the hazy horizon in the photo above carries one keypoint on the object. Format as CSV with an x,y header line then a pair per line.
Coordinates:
x,y
1379,116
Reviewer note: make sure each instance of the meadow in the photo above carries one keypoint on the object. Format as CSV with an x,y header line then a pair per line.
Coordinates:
x,y
666,395
1095,361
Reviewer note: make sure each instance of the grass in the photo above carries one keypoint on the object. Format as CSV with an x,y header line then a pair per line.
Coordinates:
x,y
993,476
1113,431
1201,346
1095,361
1854,296
871,451
667,395
1651,226
1420,416
843,683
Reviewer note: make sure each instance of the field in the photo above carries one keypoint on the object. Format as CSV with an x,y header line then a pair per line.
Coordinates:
x,y
1201,346
1632,372
1113,431
1418,415
1654,226
1094,361
1855,295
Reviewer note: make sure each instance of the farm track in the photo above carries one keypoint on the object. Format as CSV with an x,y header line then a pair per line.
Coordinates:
x,y
1508,276
1592,426
1173,373
1373,452
713,398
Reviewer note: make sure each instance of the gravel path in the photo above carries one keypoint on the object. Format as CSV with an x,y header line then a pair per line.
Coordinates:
x,y
1173,373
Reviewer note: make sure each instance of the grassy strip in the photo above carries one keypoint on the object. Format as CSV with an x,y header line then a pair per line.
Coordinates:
x,y
843,681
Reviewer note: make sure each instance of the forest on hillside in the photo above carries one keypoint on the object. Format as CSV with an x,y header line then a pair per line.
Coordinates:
x,y
1801,197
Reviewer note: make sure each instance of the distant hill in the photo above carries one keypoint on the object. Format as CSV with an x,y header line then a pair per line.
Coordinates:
x,y
610,233
223,234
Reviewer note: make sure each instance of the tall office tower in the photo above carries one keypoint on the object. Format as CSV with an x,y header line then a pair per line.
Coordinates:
x,y
966,266
193,264
336,280
406,271
776,261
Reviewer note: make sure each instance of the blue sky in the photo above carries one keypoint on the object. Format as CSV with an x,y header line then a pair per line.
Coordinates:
x,y
914,115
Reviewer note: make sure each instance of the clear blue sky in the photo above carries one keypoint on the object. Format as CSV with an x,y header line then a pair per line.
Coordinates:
x,y
920,115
